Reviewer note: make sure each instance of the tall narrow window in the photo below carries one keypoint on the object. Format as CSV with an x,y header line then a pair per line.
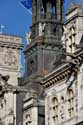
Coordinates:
x,y
55,109
62,110
70,102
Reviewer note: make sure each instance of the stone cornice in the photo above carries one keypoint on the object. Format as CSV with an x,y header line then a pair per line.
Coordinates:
x,y
10,69
10,38
73,7
73,17
64,71
36,41
13,41
9,45
41,40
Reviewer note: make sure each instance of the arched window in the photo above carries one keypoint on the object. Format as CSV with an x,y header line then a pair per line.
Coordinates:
x,y
70,100
55,109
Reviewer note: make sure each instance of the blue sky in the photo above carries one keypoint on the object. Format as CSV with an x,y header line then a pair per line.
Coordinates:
x,y
16,19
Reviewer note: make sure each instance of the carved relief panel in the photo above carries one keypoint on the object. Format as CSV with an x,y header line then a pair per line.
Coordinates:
x,y
8,57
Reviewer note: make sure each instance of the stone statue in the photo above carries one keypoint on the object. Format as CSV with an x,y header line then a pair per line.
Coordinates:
x,y
28,37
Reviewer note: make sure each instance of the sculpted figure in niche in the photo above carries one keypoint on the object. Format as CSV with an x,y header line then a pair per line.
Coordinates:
x,y
41,29
28,37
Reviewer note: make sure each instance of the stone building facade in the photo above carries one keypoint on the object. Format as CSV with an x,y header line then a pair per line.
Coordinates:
x,y
54,61
53,68
44,48
63,86
10,65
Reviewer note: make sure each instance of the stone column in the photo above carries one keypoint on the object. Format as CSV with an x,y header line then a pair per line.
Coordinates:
x,y
34,11
58,8
48,10
73,40
72,44
62,10
38,10
68,44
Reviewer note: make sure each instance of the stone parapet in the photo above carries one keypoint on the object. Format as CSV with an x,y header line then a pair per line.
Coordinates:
x,y
8,40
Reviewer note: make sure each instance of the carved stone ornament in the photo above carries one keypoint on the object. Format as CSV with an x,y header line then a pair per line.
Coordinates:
x,y
9,58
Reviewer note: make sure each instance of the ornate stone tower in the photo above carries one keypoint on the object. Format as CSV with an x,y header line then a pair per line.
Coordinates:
x,y
44,49
46,31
